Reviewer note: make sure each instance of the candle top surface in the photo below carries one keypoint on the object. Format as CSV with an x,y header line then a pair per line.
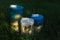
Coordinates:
x,y
27,21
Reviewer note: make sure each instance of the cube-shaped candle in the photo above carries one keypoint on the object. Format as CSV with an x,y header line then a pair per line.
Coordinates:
x,y
38,21
16,9
27,25
14,26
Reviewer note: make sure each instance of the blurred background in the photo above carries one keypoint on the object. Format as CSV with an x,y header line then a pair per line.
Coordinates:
x,y
48,8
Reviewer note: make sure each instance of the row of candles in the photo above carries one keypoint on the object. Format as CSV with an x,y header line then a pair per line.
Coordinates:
x,y
28,25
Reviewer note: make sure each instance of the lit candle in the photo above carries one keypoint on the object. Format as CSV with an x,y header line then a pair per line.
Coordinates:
x,y
16,11
27,25
14,25
38,20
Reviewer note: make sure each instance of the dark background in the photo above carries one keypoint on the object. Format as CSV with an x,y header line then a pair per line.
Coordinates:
x,y
49,8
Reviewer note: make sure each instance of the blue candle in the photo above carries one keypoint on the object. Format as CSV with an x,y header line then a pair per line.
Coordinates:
x,y
16,9
38,19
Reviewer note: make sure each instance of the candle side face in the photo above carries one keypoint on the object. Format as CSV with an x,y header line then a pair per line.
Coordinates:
x,y
14,26
26,24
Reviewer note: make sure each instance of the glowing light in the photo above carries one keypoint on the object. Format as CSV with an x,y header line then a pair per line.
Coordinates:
x,y
13,6
26,25
14,25
30,31
38,28
22,28
15,28
26,30
35,15
17,16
